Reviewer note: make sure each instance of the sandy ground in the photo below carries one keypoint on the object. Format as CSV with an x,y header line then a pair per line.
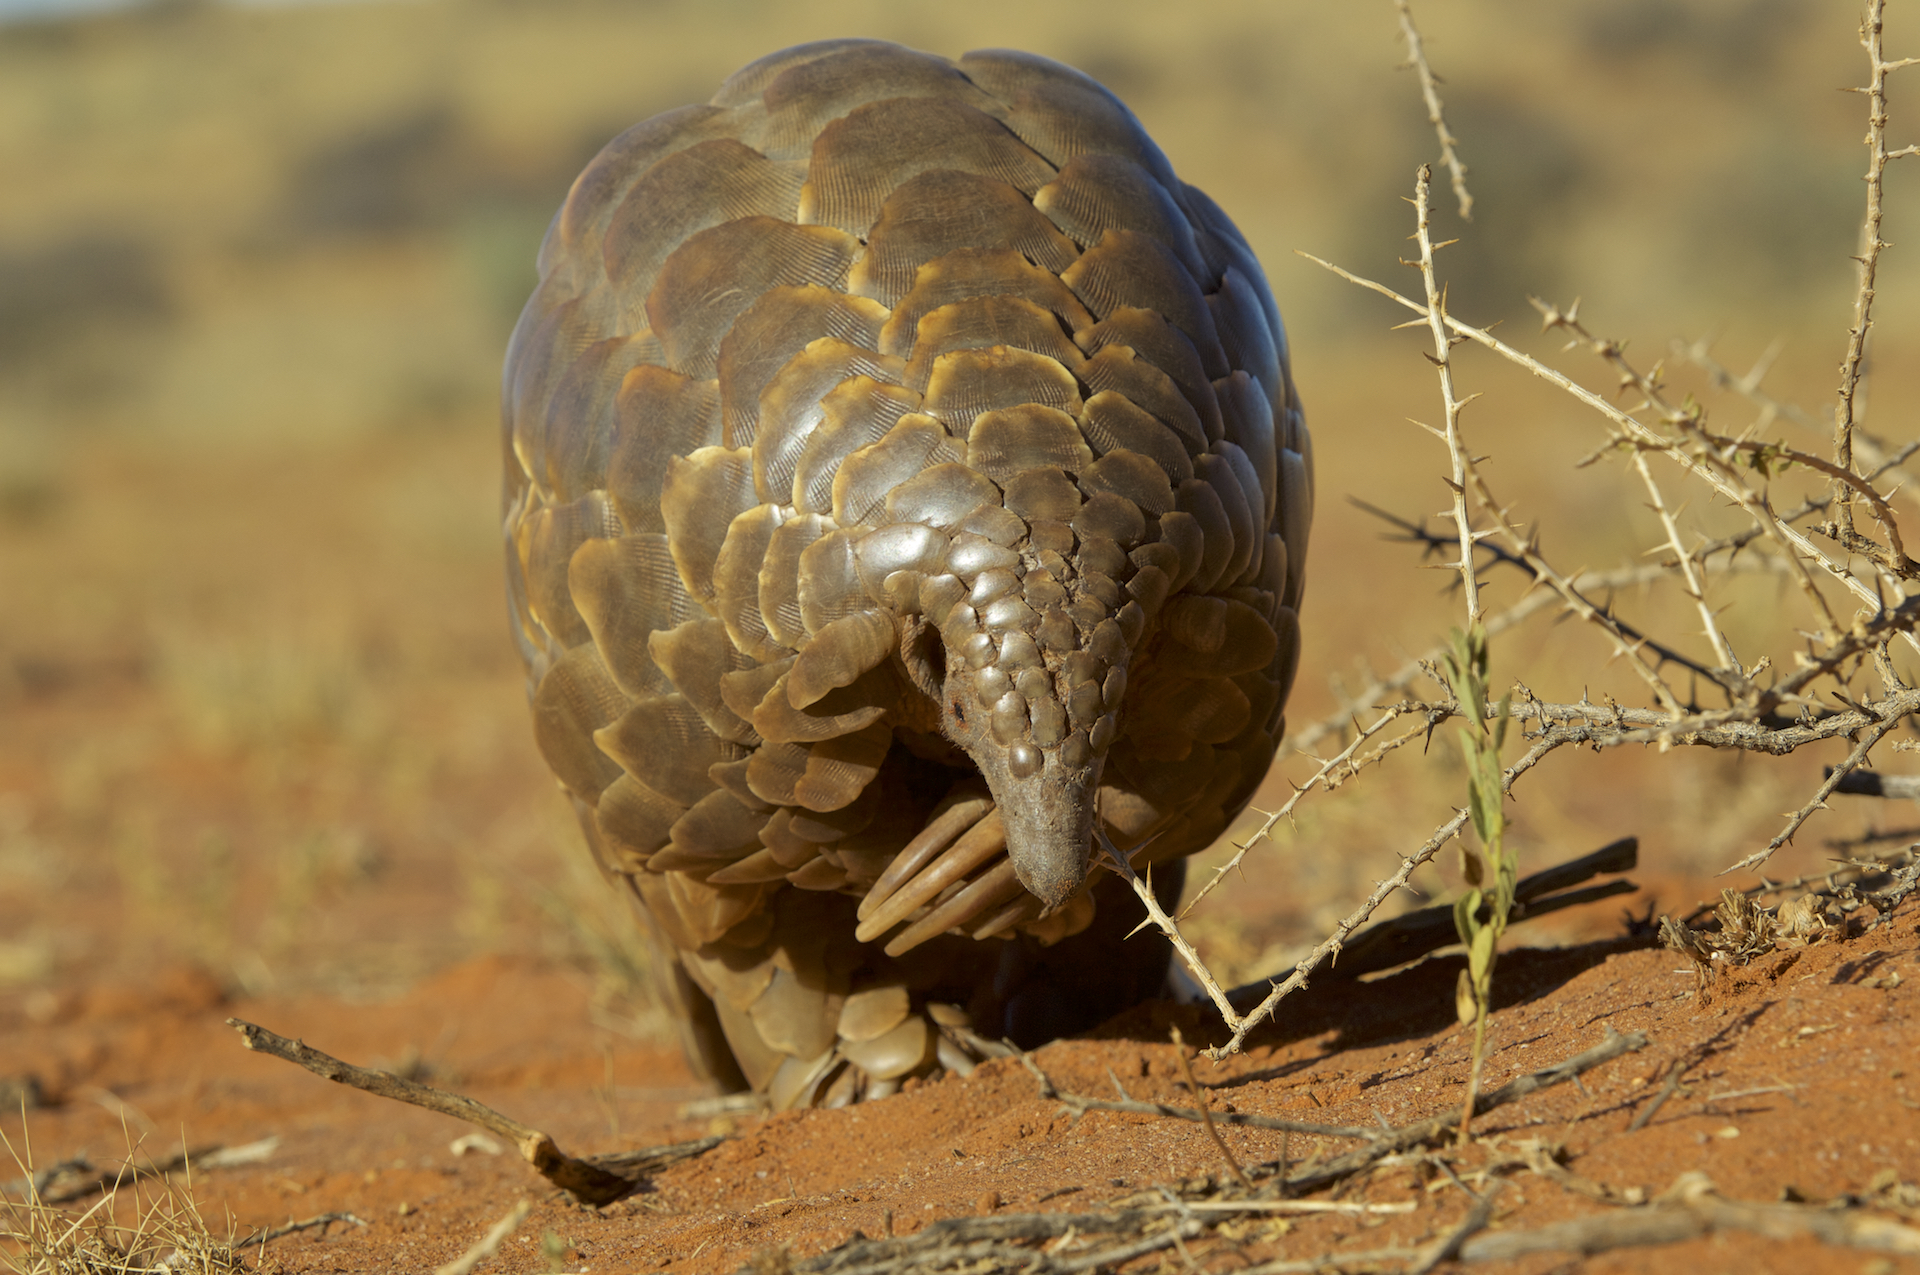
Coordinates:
x,y
1796,1082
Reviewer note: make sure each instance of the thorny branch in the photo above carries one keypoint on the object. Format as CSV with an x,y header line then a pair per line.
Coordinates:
x,y
1720,451
1586,582
1813,542
1333,772
1436,112
1851,364
1798,549
1122,867
1689,572
1456,453
1330,946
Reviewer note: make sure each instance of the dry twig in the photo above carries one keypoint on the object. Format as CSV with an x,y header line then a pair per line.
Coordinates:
x,y
1870,243
1692,1208
595,1181
1436,112
1331,945
489,1244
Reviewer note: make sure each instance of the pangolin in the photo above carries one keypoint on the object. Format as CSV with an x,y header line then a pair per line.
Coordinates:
x,y
903,473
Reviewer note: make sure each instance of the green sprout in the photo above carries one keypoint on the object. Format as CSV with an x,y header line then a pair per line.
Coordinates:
x,y
1481,741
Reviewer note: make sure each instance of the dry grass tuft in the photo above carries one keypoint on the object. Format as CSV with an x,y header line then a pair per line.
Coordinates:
x,y
166,1232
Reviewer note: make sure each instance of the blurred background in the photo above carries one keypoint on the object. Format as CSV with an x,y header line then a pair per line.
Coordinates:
x,y
258,263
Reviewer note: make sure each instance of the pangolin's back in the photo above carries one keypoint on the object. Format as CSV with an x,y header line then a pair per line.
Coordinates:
x,y
903,472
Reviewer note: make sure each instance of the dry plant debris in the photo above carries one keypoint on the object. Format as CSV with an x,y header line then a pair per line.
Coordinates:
x,y
489,1244
1168,1218
596,1180
167,1233
1766,710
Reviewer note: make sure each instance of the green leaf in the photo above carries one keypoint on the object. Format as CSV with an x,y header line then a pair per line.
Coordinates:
x,y
1466,919
1480,952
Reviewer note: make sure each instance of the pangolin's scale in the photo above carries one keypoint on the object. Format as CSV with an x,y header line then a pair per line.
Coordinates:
x,y
903,471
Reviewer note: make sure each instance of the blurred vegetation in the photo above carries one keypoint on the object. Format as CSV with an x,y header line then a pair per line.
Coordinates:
x,y
293,223
258,265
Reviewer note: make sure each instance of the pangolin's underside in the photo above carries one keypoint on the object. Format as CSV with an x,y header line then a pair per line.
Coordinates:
x,y
903,474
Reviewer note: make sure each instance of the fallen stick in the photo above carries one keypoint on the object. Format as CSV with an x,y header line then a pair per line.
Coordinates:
x,y
1693,1209
1404,1136
595,1181
1080,1104
1380,1141
489,1244
320,1221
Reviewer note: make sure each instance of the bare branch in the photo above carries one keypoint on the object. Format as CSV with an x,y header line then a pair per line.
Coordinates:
x,y
1157,915
1694,586
1436,311
1700,354
1799,548
1545,572
1329,767
1436,113
612,1178
1852,362
1330,946
1871,736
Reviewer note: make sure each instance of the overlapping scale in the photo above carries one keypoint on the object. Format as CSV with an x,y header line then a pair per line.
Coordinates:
x,y
574,701
791,407
663,742
635,822
599,189
1153,339
583,417
838,654
861,158
1127,269
1062,113
715,831
705,185
857,413
978,272
1095,193
703,493
663,415
1247,421
695,656
1111,422
736,582
967,383
945,210
746,88
770,332
810,94
865,479
977,322
548,539
1245,338
1030,436
627,589
715,275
